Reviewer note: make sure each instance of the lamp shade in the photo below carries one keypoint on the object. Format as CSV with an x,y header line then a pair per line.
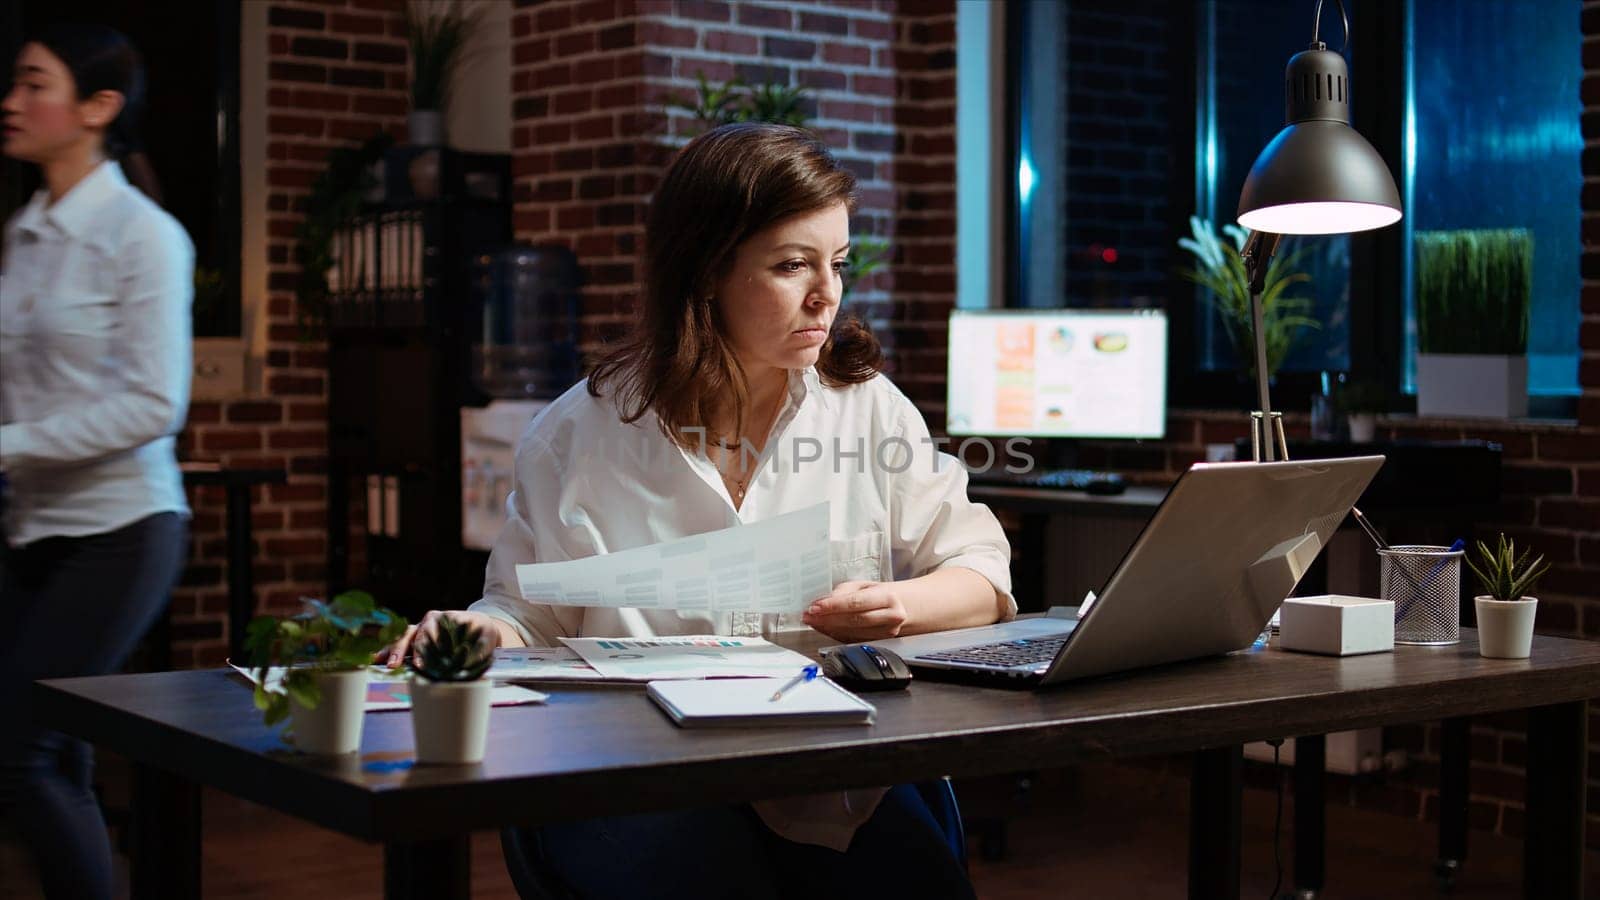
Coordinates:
x,y
1319,175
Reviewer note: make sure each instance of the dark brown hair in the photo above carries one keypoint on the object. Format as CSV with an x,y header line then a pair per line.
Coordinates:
x,y
101,59
723,187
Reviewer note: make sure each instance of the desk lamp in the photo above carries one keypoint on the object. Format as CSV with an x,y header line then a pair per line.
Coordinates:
x,y
1318,176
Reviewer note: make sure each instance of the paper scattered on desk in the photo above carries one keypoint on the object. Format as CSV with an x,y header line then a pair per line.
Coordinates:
x,y
687,656
388,690
777,565
540,664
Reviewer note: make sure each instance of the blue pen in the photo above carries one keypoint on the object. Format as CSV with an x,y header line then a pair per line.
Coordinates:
x,y
806,674
1455,547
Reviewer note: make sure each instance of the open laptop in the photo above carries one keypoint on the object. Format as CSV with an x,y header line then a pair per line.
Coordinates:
x,y
1226,546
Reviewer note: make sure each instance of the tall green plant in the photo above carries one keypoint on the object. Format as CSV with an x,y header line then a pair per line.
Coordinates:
x,y
438,39
1473,290
1220,270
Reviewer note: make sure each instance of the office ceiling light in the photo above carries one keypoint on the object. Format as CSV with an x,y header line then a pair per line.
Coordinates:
x,y
1318,176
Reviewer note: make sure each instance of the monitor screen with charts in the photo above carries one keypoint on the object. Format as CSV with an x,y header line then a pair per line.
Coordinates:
x,y
1058,373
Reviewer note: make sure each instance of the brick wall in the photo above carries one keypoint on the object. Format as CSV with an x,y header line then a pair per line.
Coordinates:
x,y
336,74
592,83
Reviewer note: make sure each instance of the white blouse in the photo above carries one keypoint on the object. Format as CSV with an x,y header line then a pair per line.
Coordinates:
x,y
586,483
95,359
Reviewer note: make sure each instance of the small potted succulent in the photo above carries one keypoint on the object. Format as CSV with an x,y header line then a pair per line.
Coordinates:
x,y
325,651
1505,611
449,695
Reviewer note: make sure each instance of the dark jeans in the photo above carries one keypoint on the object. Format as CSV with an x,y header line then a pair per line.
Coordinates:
x,y
727,852
72,606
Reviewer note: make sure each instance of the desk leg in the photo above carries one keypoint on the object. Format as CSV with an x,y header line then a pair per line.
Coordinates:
x,y
1552,842
1310,815
1455,756
428,870
165,836
241,576
1215,793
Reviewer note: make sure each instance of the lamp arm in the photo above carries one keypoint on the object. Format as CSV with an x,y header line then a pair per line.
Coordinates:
x,y
1316,27
1256,256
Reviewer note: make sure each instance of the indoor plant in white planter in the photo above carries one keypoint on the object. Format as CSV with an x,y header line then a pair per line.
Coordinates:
x,y
437,37
325,651
1473,289
1505,612
449,695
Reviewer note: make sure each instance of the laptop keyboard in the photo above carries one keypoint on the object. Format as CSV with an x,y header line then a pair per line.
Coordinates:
x,y
1004,654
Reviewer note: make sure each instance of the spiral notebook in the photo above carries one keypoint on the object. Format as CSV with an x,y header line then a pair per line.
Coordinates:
x,y
748,701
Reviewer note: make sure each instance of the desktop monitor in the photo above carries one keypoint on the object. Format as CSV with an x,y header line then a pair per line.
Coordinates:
x,y
1071,373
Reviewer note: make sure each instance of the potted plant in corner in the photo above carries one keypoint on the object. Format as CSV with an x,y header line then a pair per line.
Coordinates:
x,y
324,652
437,37
449,695
1220,270
1505,611
1473,289
1362,402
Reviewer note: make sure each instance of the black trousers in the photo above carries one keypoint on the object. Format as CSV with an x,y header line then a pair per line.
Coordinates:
x,y
72,606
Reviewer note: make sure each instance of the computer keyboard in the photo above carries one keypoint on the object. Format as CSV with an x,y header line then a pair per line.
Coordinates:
x,y
1087,480
1028,651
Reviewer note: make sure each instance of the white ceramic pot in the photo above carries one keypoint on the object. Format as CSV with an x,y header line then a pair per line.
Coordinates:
x,y
1505,627
1467,384
334,727
1363,426
450,720
425,127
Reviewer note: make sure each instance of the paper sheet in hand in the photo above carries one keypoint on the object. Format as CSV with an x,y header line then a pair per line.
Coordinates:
x,y
389,690
687,656
777,565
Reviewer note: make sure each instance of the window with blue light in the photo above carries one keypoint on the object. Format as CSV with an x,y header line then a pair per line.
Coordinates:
x,y
1493,141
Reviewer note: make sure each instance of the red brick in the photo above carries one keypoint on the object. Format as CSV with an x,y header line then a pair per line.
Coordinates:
x,y
294,493
553,18
705,10
872,29
575,44
1582,515
591,71
823,79
255,411
291,547
283,177
319,48
288,385
305,72
815,23
876,85
653,34
1573,447
203,412
350,23
848,111
730,42
215,440
387,54
286,17
846,54
759,16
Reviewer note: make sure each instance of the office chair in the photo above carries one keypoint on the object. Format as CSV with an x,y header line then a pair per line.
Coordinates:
x,y
534,878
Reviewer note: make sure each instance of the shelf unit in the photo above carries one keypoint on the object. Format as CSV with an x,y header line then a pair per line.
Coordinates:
x,y
400,331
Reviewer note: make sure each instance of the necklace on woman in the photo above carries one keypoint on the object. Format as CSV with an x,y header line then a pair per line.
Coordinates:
x,y
738,485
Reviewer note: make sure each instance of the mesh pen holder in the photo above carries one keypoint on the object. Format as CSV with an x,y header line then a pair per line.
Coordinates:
x,y
1424,584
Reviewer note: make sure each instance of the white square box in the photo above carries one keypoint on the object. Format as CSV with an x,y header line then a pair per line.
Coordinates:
x,y
1336,625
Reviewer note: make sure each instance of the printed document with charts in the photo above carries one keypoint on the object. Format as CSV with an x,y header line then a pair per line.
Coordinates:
x,y
778,565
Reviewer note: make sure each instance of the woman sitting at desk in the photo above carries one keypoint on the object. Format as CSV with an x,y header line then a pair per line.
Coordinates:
x,y
737,349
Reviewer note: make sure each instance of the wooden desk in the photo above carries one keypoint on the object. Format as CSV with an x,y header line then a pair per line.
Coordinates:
x,y
600,751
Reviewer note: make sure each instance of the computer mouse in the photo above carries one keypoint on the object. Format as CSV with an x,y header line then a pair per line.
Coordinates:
x,y
863,667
